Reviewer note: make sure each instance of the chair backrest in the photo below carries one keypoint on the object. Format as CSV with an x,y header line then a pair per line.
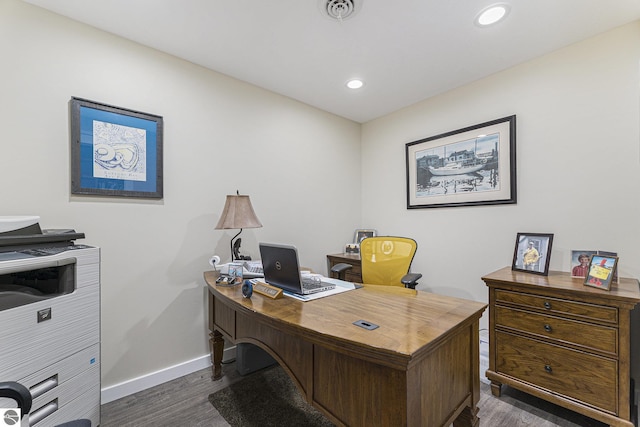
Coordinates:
x,y
385,259
19,393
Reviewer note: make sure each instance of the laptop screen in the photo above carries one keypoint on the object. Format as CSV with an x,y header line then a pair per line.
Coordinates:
x,y
280,264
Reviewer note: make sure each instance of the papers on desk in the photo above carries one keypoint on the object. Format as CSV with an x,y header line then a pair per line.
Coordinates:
x,y
341,286
253,272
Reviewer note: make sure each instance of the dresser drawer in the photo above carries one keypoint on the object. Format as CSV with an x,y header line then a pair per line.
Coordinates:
x,y
584,377
591,337
559,306
354,274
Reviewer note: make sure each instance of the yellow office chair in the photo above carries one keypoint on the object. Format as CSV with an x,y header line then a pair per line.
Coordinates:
x,y
385,260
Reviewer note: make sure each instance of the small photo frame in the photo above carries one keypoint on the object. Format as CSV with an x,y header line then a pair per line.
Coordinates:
x,y
601,268
363,234
580,262
235,271
352,248
532,253
615,270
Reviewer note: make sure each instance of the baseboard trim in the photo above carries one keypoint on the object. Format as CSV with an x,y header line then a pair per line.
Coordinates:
x,y
126,388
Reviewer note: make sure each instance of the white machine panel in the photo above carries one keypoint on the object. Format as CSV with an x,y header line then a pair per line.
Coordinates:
x,y
52,345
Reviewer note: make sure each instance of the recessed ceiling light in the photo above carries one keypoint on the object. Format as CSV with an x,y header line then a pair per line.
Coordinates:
x,y
492,14
355,84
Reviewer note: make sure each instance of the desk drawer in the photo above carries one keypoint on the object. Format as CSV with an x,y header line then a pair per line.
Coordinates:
x,y
224,318
559,306
596,337
577,375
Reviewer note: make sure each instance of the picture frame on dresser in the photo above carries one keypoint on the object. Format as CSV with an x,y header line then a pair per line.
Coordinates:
x,y
600,273
532,253
615,278
580,262
115,151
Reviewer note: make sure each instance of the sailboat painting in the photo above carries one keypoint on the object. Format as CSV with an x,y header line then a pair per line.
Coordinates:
x,y
474,165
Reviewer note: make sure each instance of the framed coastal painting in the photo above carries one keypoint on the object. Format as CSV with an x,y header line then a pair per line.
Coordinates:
x,y
471,166
532,253
115,151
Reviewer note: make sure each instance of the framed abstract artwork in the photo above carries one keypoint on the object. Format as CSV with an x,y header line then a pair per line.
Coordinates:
x,y
115,151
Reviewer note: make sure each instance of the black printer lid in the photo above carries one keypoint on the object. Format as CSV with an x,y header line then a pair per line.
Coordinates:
x,y
32,236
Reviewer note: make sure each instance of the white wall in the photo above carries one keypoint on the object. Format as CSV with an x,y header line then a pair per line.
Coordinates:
x,y
578,165
221,135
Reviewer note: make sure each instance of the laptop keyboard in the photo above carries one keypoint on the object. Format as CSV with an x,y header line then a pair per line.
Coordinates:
x,y
310,283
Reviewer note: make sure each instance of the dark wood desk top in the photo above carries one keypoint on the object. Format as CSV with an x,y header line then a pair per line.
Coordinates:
x,y
410,321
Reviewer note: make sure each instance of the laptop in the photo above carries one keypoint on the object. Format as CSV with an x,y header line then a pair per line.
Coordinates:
x,y
281,269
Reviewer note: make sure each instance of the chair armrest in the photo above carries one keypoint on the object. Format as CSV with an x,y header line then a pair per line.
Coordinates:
x,y
17,392
341,268
410,280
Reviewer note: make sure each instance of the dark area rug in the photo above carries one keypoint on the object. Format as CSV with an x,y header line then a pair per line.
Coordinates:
x,y
266,398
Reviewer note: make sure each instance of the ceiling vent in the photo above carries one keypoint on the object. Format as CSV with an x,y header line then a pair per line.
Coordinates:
x,y
338,9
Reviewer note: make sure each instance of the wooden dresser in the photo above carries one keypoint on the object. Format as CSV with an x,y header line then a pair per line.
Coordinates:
x,y
570,344
352,275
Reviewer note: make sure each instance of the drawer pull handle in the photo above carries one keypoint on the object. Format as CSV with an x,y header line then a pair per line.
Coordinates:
x,y
43,412
44,386
547,328
547,305
548,368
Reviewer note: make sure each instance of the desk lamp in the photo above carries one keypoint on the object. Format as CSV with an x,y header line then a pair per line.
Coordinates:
x,y
237,213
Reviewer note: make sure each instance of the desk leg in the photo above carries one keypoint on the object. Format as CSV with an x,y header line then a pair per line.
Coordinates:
x,y
216,342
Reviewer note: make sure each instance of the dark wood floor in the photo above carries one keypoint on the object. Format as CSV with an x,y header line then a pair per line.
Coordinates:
x,y
184,402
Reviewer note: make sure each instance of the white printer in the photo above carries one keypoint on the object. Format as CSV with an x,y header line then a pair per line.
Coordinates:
x,y
50,321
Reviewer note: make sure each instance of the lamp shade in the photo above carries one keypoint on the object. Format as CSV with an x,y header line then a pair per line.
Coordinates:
x,y
238,213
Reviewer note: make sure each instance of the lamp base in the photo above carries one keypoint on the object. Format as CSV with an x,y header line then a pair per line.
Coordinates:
x,y
235,250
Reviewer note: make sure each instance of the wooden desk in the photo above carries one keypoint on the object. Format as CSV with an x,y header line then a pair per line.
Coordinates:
x,y
561,341
353,275
419,368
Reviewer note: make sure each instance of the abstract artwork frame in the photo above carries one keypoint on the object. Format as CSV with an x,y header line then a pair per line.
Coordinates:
x,y
115,151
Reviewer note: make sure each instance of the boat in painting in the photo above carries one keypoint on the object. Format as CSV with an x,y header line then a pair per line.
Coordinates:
x,y
455,168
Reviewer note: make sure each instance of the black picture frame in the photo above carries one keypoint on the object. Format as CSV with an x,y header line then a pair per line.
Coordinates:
x,y
472,166
115,151
532,253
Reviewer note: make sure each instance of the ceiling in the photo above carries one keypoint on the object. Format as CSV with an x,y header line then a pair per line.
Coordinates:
x,y
405,50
